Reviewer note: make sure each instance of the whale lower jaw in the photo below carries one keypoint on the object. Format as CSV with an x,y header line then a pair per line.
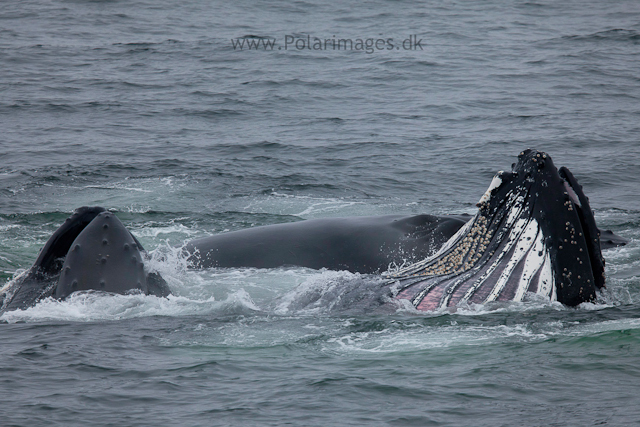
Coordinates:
x,y
472,273
532,234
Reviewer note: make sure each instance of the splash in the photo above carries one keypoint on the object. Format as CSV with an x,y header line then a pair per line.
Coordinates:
x,y
94,306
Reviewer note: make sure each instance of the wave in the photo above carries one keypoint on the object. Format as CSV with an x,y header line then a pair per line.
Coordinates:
x,y
617,34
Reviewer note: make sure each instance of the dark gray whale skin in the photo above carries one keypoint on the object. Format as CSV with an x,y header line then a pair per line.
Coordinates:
x,y
366,244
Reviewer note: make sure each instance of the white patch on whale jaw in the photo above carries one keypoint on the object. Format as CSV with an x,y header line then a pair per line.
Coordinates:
x,y
522,237
532,255
546,282
495,183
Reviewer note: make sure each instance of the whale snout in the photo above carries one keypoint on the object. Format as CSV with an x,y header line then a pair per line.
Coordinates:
x,y
104,257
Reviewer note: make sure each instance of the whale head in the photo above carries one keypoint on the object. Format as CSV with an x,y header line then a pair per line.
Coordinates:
x,y
104,256
92,250
534,232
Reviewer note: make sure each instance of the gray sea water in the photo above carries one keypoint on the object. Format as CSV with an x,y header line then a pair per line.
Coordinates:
x,y
151,109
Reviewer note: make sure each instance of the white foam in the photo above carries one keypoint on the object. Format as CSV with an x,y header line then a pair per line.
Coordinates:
x,y
7,227
100,306
316,294
306,206
118,186
392,340
156,230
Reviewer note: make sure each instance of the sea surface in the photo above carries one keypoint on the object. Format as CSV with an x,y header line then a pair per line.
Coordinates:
x,y
152,109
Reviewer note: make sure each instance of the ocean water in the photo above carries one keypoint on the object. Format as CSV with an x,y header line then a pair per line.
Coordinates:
x,y
151,109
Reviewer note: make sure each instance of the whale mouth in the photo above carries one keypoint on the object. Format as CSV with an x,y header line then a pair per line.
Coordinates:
x,y
534,232
92,250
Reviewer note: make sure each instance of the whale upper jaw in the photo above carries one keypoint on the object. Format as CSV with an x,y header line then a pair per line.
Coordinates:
x,y
104,256
534,232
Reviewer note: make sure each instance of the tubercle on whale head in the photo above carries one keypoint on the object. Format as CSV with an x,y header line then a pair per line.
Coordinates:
x,y
533,232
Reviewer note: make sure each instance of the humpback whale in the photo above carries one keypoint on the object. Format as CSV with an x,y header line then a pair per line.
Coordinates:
x,y
534,232
92,250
